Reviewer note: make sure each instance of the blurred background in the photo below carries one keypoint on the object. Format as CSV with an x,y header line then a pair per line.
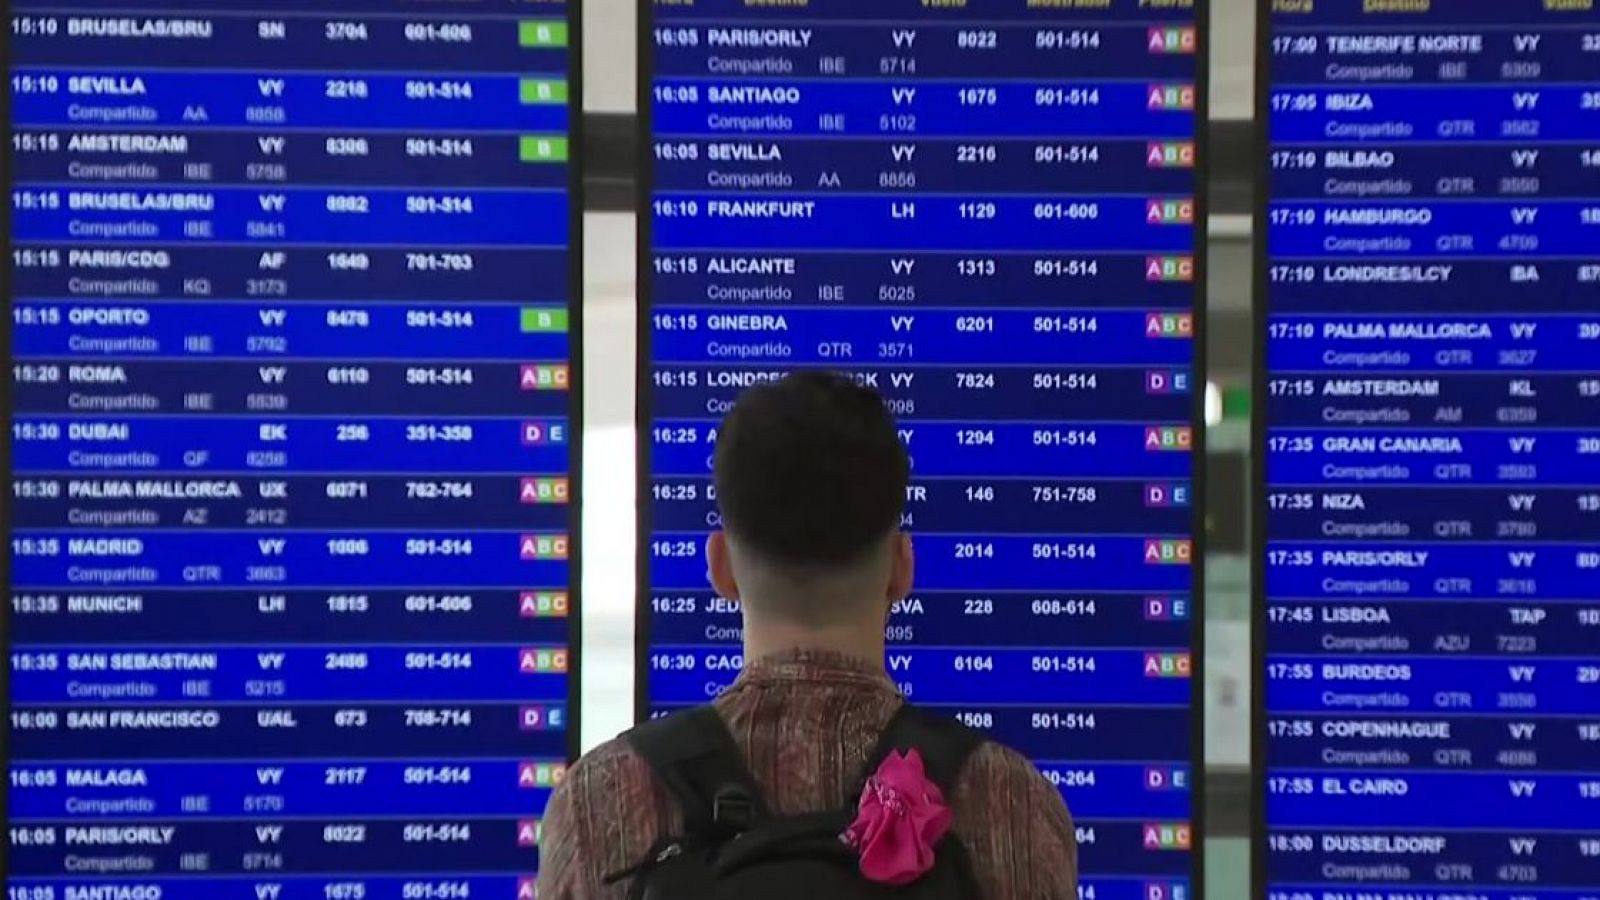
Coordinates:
x,y
608,589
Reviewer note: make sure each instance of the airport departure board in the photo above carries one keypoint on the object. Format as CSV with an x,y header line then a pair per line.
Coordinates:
x,y
1430,633
293,306
986,210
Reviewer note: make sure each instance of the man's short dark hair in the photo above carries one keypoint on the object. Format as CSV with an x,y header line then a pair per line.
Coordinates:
x,y
810,472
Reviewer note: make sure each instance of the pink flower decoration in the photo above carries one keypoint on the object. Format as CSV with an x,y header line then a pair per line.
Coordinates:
x,y
901,818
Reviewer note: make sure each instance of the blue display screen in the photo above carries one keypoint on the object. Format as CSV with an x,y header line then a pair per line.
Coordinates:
x,y
987,211
1431,628
292,317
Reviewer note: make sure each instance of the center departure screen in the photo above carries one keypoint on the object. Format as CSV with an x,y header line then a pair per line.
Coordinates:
x,y
1431,622
984,209
292,434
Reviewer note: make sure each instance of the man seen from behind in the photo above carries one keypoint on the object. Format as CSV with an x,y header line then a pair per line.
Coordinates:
x,y
811,481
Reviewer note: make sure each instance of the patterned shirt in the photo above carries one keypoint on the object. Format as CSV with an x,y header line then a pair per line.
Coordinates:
x,y
807,723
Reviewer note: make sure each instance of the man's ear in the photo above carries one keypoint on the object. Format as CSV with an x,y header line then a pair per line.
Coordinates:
x,y
902,568
719,566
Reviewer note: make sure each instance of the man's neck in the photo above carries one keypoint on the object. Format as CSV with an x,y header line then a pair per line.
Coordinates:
x,y
763,639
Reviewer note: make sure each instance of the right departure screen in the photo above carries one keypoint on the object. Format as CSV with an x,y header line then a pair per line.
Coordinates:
x,y
1431,290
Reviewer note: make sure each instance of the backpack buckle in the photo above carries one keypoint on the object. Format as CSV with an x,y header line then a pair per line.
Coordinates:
x,y
733,808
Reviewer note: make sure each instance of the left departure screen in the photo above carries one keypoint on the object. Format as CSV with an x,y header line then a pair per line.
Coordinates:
x,y
293,426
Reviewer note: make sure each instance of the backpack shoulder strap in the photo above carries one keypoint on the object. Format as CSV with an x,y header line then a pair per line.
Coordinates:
x,y
696,759
944,744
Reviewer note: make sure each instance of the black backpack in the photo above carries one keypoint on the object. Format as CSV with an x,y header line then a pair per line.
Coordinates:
x,y
732,848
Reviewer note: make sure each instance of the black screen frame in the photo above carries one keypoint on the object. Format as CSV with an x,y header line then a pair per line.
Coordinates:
x,y
644,278
6,393
1260,311
1198,481
643,424
576,360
